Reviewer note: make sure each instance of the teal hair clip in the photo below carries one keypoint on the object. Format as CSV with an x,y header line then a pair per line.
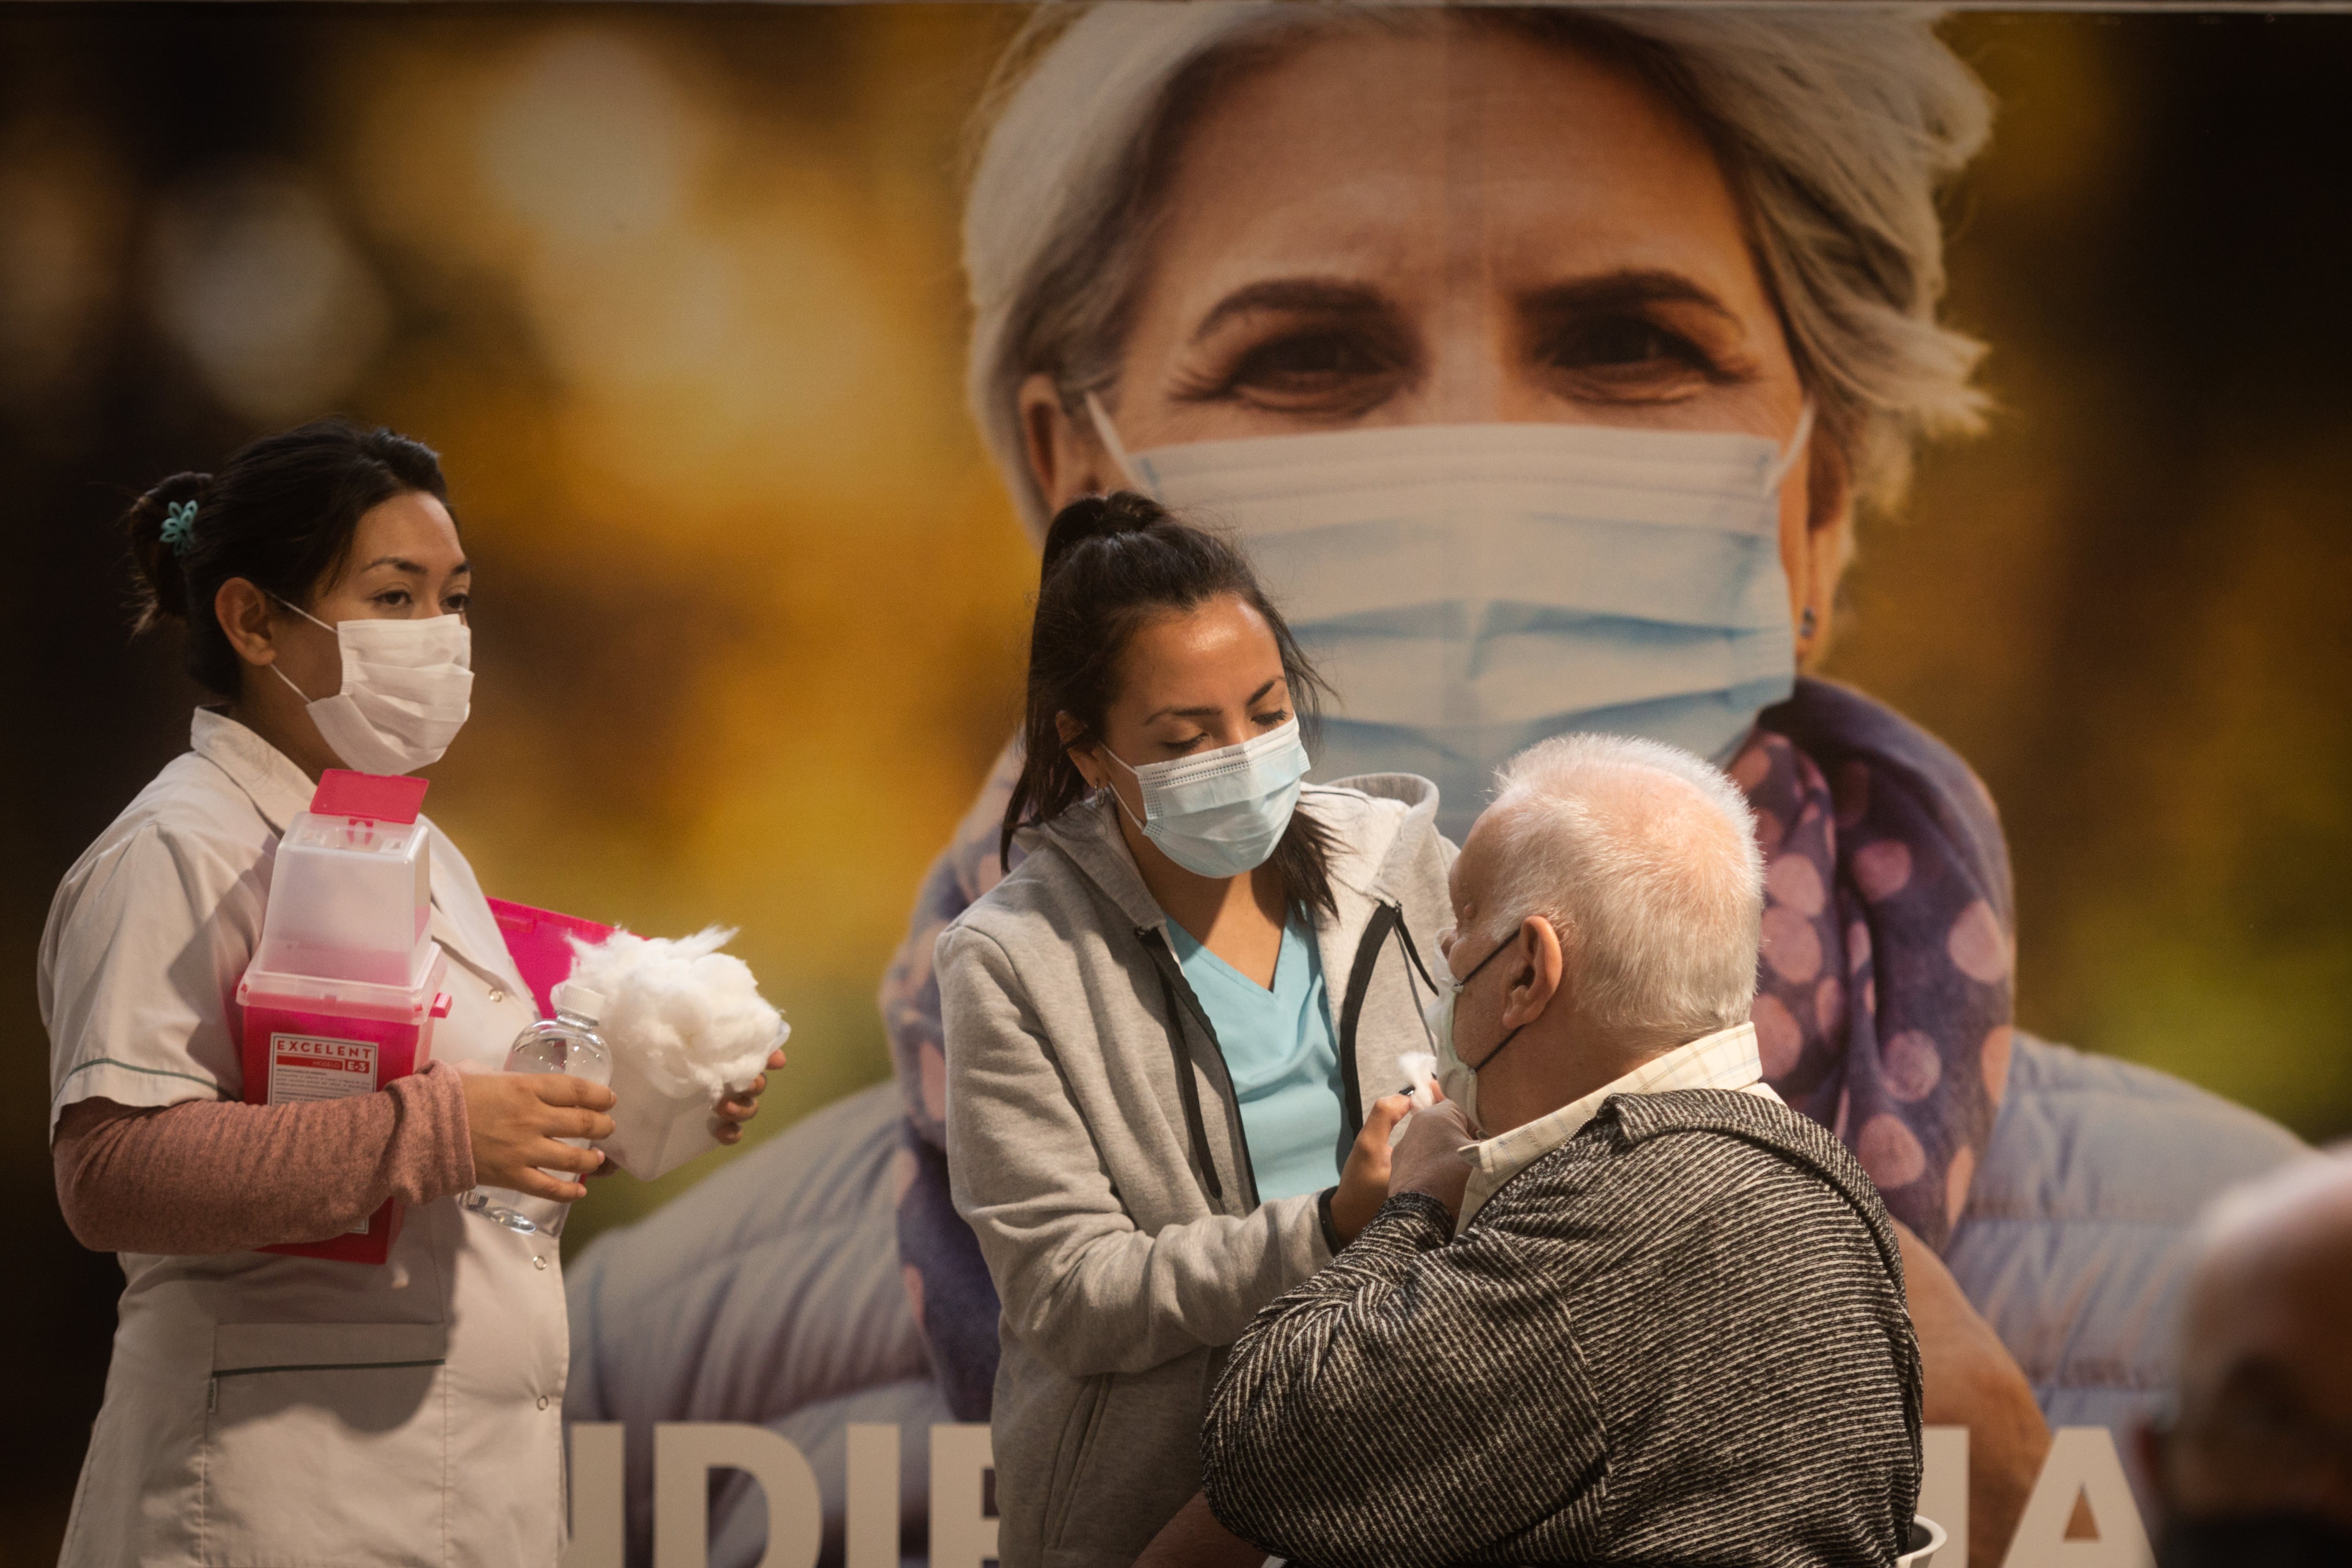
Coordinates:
x,y
180,526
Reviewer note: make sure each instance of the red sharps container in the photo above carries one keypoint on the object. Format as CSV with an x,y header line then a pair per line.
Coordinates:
x,y
342,997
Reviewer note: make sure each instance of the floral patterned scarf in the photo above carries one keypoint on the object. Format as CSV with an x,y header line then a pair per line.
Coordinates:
x,y
1882,1009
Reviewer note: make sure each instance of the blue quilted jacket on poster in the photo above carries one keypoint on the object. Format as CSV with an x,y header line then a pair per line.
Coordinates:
x,y
771,1293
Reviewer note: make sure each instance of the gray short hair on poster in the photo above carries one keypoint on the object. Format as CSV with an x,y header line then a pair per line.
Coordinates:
x,y
1835,127
1645,860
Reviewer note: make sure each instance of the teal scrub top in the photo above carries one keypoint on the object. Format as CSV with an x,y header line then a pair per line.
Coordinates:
x,y
1283,1057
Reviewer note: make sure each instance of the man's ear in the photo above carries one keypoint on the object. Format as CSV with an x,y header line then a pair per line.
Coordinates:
x,y
1537,969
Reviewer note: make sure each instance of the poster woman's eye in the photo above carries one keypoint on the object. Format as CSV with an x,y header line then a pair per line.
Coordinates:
x,y
1336,371
1626,356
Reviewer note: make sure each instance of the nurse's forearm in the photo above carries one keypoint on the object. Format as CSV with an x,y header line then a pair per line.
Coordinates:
x,y
204,1177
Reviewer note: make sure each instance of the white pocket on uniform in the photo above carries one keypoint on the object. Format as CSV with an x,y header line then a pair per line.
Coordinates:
x,y
324,1443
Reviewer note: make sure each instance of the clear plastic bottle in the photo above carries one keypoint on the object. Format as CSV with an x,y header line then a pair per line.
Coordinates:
x,y
567,1043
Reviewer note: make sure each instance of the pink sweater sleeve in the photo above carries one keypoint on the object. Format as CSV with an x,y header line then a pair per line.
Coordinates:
x,y
204,1176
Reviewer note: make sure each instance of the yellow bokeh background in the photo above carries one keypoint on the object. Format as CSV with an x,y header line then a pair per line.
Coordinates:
x,y
752,603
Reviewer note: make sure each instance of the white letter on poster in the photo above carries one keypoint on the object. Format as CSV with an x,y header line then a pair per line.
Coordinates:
x,y
963,1535
2081,1465
1944,1487
873,1534
597,1486
685,1452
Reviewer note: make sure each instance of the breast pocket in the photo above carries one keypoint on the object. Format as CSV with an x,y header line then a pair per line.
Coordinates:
x,y
325,1443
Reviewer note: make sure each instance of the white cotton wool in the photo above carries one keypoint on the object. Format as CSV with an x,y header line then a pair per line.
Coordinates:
x,y
1419,1068
1420,1075
688,1016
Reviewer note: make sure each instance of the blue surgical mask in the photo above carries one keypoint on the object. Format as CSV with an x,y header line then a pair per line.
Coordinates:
x,y
1221,813
1469,590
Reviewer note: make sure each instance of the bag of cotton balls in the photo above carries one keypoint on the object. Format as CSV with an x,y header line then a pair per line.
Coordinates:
x,y
685,1024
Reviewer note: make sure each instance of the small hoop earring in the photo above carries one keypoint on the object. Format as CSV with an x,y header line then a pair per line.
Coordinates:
x,y
1805,625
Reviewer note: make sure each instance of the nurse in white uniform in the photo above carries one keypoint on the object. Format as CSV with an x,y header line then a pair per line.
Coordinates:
x,y
260,1408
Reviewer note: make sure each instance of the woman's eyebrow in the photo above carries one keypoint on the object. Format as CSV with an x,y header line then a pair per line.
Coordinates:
x,y
1211,712
1329,296
401,564
1626,290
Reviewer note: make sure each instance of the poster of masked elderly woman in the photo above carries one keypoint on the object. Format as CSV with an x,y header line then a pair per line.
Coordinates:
x,y
1935,422
1550,362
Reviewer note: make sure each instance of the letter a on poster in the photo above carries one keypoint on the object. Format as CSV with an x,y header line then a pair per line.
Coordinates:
x,y
2081,1467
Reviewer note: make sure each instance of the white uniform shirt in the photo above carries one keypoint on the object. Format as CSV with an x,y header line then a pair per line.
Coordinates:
x,y
293,1410
1725,1059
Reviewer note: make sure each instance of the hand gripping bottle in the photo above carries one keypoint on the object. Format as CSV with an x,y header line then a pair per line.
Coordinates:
x,y
568,1043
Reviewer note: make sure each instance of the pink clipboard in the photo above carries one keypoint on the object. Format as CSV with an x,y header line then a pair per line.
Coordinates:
x,y
539,942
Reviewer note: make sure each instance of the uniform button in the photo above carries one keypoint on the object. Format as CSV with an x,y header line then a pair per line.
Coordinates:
x,y
497,995
538,1262
542,1402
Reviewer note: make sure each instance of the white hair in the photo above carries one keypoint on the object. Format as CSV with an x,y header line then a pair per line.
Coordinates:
x,y
1643,858
2247,1243
1834,128
2316,1178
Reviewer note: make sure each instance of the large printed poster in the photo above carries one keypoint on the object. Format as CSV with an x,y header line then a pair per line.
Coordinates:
x,y
759,344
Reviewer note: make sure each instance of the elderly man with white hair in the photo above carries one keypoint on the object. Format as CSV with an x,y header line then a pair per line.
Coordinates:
x,y
2255,1464
1623,1303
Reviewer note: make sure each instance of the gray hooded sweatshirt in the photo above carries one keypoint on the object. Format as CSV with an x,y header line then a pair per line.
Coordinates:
x,y
1095,1146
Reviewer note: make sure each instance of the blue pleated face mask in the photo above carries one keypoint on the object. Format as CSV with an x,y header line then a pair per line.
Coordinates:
x,y
1469,590
1221,813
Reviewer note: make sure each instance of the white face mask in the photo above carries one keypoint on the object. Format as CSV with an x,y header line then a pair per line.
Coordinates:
x,y
1472,589
1221,813
1455,1078
407,688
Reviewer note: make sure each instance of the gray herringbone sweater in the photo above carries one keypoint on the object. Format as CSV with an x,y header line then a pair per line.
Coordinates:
x,y
1678,1338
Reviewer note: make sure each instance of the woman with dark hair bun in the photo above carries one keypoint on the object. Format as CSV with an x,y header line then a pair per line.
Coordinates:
x,y
268,1407
1175,1031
